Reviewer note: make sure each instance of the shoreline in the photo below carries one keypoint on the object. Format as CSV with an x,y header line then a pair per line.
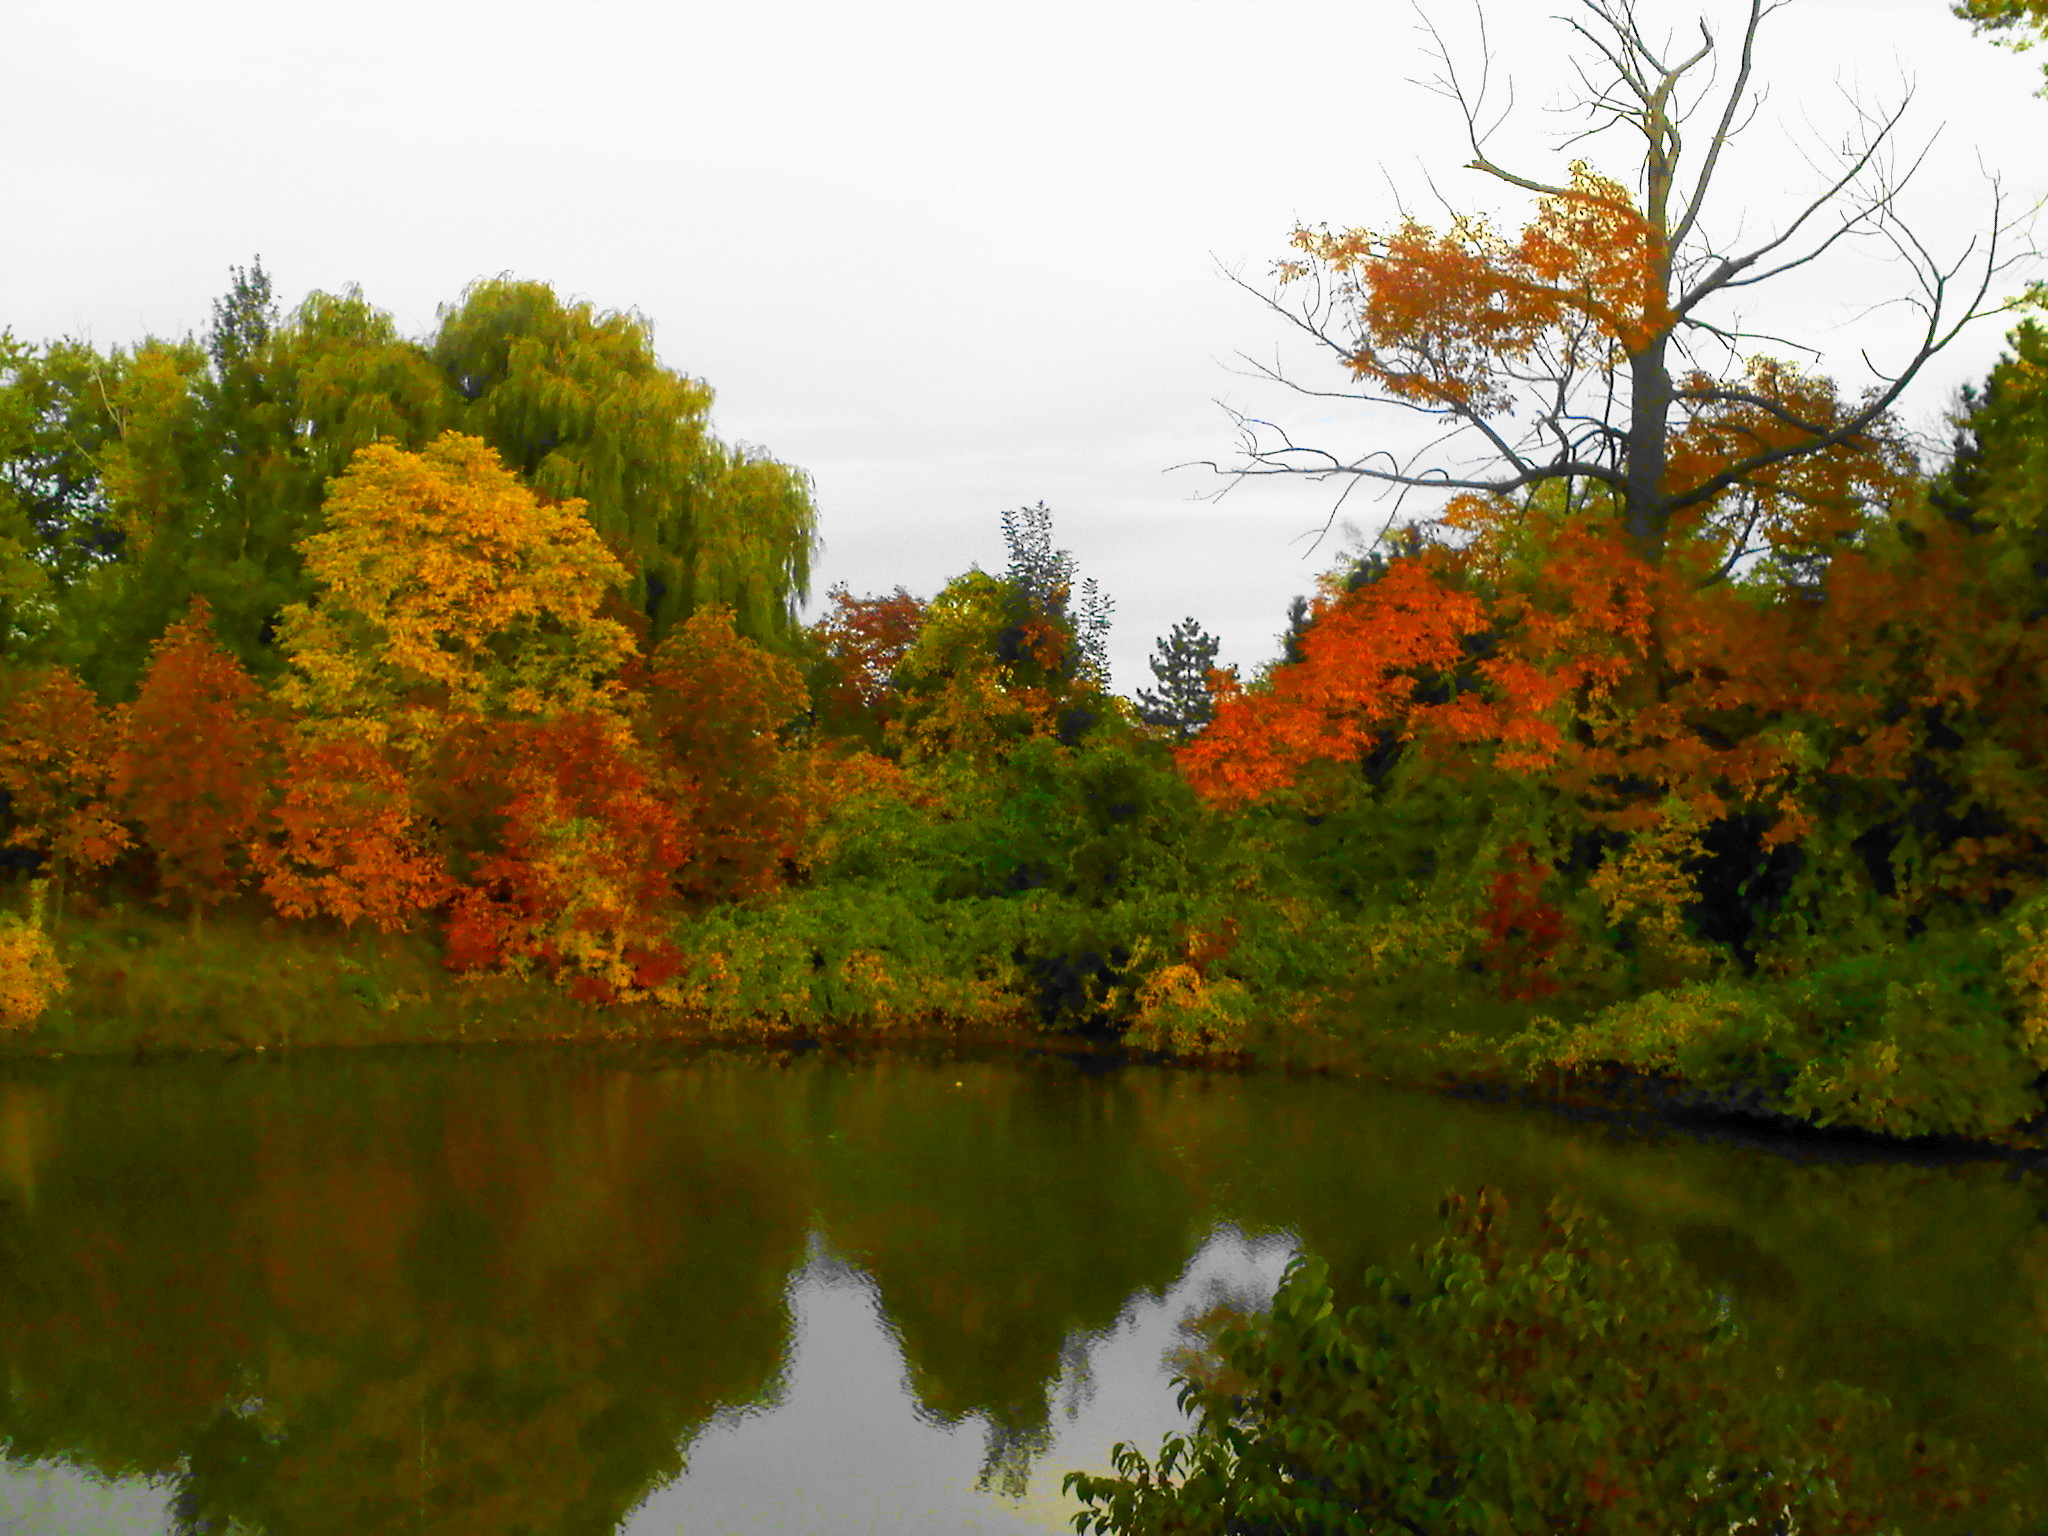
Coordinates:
x,y
145,987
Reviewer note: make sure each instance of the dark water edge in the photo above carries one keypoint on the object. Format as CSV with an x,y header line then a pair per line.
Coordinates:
x,y
1645,1104
524,1289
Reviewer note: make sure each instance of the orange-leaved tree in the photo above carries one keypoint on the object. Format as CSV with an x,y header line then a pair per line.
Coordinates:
x,y
1626,596
55,745
713,708
195,762
344,839
1573,354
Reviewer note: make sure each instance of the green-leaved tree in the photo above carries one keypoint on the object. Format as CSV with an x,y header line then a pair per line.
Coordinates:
x,y
1181,663
577,403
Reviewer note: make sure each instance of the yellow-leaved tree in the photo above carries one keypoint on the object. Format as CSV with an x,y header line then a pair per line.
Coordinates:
x,y
448,596
447,589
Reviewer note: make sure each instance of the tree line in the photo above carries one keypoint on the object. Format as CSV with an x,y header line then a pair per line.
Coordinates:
x,y
1728,777
1697,742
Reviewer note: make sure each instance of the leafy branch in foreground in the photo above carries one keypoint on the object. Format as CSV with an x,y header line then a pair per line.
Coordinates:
x,y
1573,1385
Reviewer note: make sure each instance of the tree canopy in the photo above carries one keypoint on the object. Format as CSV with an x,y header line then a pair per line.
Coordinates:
x,y
446,588
135,479
577,404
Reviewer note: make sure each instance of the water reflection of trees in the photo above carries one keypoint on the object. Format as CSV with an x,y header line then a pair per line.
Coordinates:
x,y
358,1299
1001,1216
502,1293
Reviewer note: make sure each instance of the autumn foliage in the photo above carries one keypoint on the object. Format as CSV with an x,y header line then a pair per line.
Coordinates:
x,y
584,860
194,765
447,590
1624,684
1600,788
345,839
861,641
472,730
1447,315
1364,658
450,599
56,743
31,974
1815,708
713,707
1694,737
1523,930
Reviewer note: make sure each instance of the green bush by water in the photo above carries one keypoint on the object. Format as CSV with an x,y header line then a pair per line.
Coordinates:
x,y
1502,1387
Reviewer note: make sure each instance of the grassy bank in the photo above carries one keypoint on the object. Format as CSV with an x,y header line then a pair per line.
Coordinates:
x,y
1935,1039
142,981
1852,1047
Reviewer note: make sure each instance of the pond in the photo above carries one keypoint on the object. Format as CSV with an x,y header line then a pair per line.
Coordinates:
x,y
552,1290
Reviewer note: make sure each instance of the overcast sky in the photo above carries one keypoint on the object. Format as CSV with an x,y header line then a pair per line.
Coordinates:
x,y
948,258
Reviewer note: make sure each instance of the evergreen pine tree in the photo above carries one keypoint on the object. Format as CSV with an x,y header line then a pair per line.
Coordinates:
x,y
1298,617
1181,663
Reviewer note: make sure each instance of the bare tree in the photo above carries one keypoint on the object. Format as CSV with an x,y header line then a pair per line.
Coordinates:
x,y
1544,363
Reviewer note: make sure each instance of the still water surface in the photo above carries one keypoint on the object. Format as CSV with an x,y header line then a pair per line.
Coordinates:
x,y
556,1292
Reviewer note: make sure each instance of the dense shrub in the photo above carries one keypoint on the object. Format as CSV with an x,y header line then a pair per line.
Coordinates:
x,y
1568,1385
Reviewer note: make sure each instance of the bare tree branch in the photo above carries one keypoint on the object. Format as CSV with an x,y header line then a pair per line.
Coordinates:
x,y
1590,395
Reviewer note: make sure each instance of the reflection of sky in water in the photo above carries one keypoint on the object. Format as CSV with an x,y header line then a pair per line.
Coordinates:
x,y
58,1500
843,1446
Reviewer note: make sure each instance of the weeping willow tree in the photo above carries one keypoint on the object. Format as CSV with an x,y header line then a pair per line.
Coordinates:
x,y
576,401
133,479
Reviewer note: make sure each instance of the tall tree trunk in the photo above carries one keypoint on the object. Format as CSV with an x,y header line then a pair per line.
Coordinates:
x,y
1648,423
1644,501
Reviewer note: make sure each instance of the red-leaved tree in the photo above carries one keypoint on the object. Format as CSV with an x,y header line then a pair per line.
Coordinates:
x,y
194,763
55,745
715,704
861,639
578,859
